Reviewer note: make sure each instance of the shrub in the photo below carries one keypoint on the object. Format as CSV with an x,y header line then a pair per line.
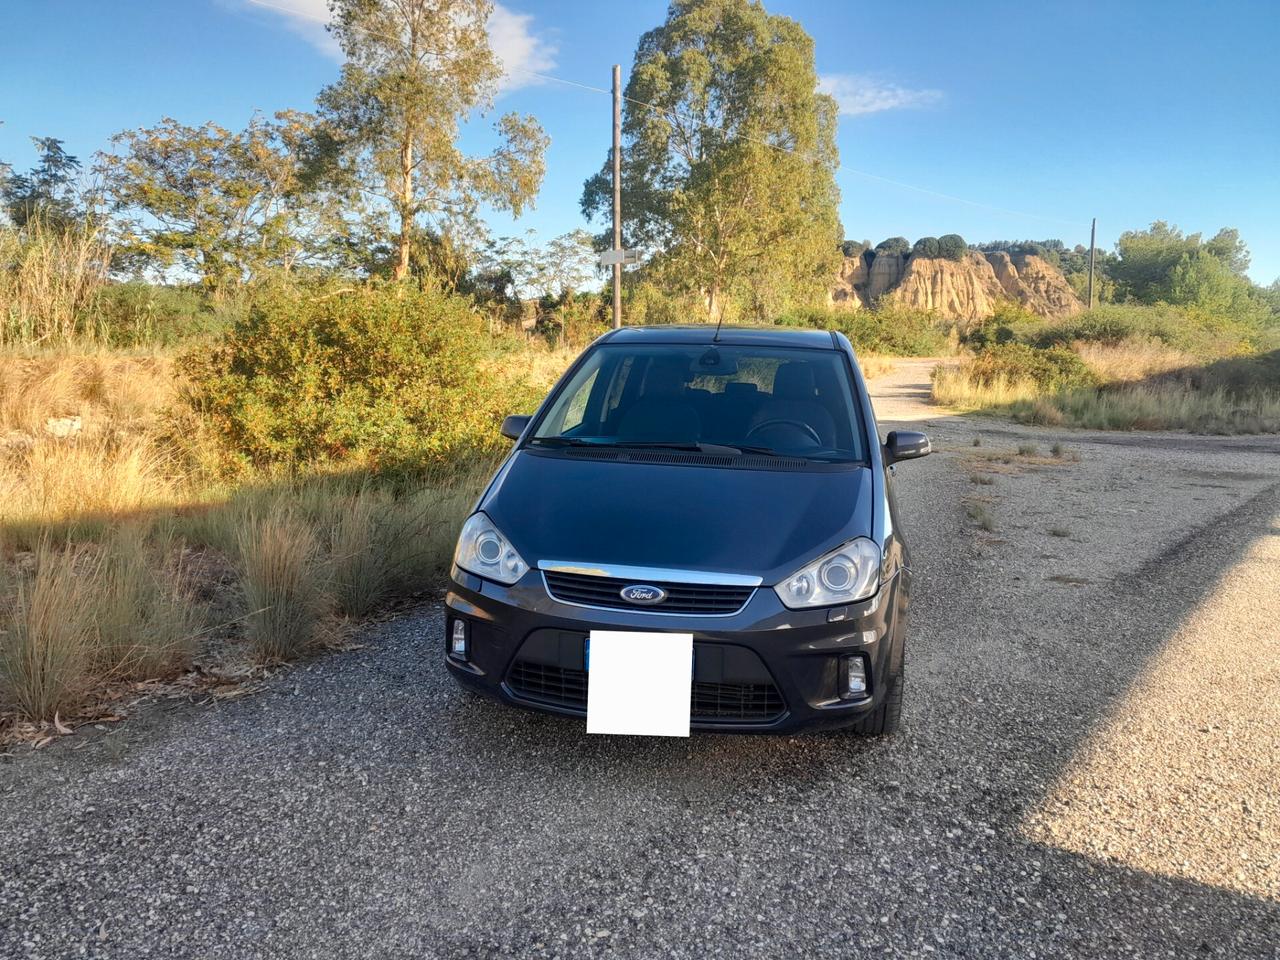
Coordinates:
x,y
894,246
1186,329
892,330
136,313
1053,369
384,378
951,246
1009,321
926,247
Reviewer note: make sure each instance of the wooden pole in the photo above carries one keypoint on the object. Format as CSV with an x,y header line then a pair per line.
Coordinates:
x,y
1093,236
617,192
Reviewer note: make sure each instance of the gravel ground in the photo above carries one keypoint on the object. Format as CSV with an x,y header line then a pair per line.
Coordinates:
x,y
1087,769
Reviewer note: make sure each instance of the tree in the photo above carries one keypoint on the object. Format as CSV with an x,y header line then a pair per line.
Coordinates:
x,y
894,246
414,69
46,191
225,205
513,269
729,158
1146,258
951,246
926,247
1230,250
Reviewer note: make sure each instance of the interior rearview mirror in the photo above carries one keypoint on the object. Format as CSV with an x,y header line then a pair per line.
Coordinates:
x,y
514,425
905,445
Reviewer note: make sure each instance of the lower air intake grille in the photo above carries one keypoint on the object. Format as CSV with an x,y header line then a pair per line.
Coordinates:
x,y
708,703
689,598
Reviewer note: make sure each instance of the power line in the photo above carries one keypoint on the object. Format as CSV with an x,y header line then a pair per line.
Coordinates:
x,y
684,118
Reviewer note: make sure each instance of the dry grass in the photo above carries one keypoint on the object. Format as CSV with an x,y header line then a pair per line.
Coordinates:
x,y
873,366
104,514
1122,404
1132,360
51,279
46,648
281,578
144,613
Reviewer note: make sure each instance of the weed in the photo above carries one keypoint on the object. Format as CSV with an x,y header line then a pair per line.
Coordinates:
x,y
1059,532
983,479
1027,449
980,515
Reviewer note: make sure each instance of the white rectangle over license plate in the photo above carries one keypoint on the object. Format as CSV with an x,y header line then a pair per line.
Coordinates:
x,y
639,683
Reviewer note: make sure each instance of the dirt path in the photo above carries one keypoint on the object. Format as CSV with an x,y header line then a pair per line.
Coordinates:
x,y
1087,768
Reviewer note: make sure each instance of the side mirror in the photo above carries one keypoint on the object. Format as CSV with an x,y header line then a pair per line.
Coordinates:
x,y
905,445
515,425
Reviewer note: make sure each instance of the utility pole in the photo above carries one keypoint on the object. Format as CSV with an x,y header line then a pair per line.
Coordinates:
x,y
617,194
1093,236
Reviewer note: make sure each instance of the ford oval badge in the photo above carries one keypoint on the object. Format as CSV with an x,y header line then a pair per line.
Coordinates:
x,y
643,594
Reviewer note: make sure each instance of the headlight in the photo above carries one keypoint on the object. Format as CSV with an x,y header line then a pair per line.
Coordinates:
x,y
848,573
485,552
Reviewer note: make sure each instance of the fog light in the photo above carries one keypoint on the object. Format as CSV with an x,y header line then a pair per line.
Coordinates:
x,y
458,640
853,678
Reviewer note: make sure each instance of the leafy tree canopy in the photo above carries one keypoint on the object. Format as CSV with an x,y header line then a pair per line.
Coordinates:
x,y
894,245
48,190
729,158
223,204
414,70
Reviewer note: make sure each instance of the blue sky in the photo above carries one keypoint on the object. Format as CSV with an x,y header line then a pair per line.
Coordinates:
x,y
1029,118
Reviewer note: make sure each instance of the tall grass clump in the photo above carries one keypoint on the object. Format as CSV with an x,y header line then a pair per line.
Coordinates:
x,y
145,617
359,575
46,647
50,277
281,579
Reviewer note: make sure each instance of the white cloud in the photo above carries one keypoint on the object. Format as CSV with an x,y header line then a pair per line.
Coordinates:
x,y
858,95
511,35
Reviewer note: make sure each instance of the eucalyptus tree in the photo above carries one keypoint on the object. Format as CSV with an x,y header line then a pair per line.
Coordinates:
x,y
414,71
729,157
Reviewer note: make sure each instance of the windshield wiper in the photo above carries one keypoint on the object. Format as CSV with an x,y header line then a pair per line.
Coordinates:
x,y
694,445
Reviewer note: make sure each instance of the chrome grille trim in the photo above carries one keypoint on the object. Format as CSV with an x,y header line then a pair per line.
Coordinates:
x,y
620,606
645,574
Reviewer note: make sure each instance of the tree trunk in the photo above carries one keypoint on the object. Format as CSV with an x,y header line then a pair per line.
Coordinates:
x,y
715,303
405,206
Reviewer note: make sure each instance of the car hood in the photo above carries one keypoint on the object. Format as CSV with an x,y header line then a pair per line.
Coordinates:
x,y
762,523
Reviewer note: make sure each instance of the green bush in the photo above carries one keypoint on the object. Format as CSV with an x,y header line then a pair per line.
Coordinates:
x,y
1182,328
895,331
894,245
951,246
388,379
143,314
1056,368
926,247
1009,321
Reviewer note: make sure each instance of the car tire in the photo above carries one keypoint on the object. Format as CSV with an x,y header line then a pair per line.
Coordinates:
x,y
885,718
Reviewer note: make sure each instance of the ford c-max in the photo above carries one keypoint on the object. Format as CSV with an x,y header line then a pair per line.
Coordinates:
x,y
731,486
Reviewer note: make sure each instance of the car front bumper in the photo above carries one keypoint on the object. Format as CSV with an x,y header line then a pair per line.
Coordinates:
x,y
764,669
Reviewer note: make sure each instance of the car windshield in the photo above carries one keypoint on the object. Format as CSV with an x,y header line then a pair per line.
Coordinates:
x,y
763,400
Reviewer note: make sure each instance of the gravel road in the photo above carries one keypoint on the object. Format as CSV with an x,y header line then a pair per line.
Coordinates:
x,y
1088,766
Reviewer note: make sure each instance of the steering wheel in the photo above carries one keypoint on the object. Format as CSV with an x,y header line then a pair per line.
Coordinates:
x,y
798,424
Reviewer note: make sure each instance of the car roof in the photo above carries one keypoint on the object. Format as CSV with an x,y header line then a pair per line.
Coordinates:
x,y
743,336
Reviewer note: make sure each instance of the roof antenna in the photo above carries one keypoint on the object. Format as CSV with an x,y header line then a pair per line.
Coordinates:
x,y
716,338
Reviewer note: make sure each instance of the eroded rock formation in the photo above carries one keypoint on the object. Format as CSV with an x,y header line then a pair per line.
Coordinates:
x,y
964,290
